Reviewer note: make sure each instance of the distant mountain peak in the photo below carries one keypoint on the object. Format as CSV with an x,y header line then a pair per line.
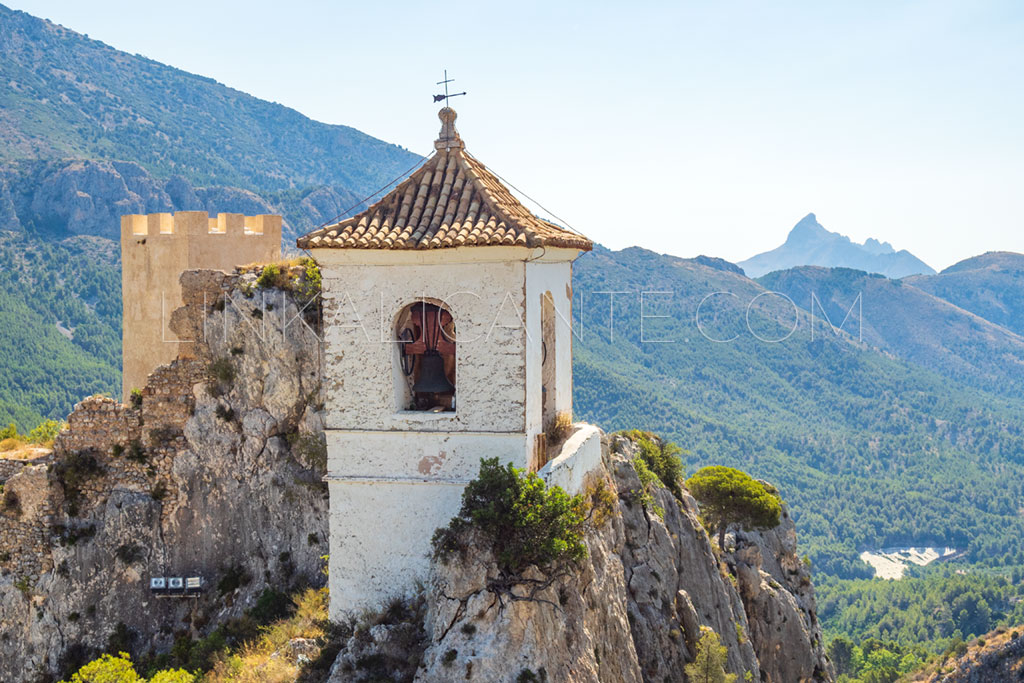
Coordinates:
x,y
809,243
807,228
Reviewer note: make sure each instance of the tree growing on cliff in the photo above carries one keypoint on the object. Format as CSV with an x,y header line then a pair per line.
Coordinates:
x,y
525,521
728,496
709,664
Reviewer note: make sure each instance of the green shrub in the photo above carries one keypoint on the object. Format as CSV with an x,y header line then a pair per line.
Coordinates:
x,y
130,553
120,639
662,458
159,491
136,398
72,472
270,606
272,276
233,578
45,432
136,453
312,281
9,432
108,669
524,521
223,371
648,480
310,450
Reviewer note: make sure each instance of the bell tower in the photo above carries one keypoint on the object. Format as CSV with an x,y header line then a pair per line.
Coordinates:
x,y
447,310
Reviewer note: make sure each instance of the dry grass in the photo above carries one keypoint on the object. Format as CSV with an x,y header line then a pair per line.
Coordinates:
x,y
19,449
268,659
559,429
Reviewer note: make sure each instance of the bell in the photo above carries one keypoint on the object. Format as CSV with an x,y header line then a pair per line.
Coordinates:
x,y
432,379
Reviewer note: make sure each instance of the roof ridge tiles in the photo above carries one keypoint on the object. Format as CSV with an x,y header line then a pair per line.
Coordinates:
x,y
451,200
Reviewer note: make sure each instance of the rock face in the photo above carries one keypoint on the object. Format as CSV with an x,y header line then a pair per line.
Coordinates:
x,y
85,197
632,611
999,660
216,473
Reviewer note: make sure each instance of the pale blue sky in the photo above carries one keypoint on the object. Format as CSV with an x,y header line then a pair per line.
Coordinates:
x,y
687,128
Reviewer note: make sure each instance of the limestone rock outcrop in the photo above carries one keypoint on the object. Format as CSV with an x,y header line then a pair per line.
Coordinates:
x,y
633,610
215,472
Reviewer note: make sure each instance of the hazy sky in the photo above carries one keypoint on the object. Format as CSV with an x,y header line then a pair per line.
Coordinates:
x,y
687,128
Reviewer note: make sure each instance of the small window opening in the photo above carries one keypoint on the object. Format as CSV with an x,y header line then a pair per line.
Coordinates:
x,y
548,374
426,336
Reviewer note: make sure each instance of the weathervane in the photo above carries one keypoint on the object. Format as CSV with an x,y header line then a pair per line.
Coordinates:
x,y
445,96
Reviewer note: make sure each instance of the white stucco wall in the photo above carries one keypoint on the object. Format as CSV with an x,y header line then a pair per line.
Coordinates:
x,y
380,538
395,476
486,300
579,456
452,457
554,277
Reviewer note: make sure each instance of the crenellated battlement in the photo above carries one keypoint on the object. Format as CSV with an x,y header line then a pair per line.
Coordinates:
x,y
199,223
156,249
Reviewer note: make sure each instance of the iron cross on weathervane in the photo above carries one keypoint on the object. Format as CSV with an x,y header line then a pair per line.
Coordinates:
x,y
445,96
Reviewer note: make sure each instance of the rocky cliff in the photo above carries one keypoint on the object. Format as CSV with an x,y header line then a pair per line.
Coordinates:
x,y
632,611
88,197
215,470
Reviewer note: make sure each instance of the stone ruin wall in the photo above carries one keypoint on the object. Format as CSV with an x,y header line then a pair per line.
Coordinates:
x,y
134,446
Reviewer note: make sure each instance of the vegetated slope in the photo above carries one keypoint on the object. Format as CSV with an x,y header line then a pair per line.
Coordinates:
x,y
874,451
990,285
810,244
933,610
60,325
73,110
66,96
910,323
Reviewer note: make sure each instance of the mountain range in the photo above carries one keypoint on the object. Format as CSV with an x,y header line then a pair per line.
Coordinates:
x,y
888,411
810,244
73,109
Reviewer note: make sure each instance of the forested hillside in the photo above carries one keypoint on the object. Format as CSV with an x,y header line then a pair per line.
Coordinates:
x,y
990,286
908,322
874,450
60,325
66,96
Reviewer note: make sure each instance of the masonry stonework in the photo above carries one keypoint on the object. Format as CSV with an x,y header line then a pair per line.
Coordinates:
x,y
155,250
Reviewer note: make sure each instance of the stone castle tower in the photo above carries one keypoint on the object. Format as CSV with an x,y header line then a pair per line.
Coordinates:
x,y
155,250
447,308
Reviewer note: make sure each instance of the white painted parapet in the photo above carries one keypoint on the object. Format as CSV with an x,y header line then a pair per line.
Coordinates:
x,y
579,456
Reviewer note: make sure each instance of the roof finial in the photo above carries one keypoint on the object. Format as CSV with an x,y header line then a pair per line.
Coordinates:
x,y
448,137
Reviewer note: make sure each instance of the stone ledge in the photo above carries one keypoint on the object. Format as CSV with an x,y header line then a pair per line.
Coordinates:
x,y
579,456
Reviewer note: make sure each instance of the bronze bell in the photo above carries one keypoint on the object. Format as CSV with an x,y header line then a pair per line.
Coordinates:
x,y
432,379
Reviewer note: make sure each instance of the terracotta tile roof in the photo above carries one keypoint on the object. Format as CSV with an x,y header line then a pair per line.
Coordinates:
x,y
450,201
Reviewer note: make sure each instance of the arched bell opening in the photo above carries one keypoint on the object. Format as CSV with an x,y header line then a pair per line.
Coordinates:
x,y
425,357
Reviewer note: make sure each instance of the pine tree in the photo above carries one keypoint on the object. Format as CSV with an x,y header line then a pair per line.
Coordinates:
x,y
709,664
